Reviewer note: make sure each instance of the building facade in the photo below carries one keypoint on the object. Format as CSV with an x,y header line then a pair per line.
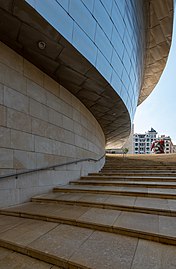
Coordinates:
x,y
142,142
71,76
168,144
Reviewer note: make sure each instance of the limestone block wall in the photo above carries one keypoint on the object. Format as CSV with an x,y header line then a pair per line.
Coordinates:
x,y
41,124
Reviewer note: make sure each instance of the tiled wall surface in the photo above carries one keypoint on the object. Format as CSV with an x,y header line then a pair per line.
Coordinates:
x,y
110,34
41,124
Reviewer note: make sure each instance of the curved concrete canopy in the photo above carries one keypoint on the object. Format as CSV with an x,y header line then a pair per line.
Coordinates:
x,y
159,34
21,28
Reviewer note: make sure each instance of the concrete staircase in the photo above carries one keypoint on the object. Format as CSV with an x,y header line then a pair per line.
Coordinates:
x,y
123,217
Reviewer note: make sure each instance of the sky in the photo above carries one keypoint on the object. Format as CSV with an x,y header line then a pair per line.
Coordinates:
x,y
159,109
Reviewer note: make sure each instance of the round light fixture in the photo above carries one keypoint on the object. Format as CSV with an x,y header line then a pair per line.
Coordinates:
x,y
41,45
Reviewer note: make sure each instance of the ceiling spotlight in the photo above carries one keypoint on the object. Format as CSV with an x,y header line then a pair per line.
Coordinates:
x,y
41,45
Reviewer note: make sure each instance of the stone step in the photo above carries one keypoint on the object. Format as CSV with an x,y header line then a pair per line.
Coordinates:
x,y
118,168
136,172
143,184
10,259
139,192
73,247
164,207
129,178
146,226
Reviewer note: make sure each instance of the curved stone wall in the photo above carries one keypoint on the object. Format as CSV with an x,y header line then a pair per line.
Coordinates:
x,y
41,124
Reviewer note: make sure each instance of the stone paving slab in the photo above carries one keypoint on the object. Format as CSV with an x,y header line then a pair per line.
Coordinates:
x,y
137,191
27,231
152,255
13,260
147,226
99,251
130,177
62,241
134,173
111,201
7,223
146,184
138,222
153,203
105,251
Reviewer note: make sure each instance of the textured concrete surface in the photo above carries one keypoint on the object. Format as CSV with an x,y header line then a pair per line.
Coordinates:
x,y
41,124
13,260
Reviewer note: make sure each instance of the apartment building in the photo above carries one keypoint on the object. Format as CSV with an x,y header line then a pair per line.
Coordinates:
x,y
168,144
142,142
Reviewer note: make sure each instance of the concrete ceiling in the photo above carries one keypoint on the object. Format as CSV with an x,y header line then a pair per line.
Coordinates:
x,y
159,35
21,28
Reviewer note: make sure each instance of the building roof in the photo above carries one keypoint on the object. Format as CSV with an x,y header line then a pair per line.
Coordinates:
x,y
159,35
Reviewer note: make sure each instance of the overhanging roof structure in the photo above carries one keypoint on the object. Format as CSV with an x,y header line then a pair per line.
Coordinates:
x,y
22,28
159,35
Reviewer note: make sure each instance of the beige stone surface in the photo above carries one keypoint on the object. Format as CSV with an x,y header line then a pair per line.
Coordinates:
x,y
70,212
53,101
36,208
51,85
4,137
36,92
6,158
100,216
4,252
38,110
2,73
40,116
27,231
1,93
135,189
8,195
7,223
121,200
14,260
14,80
93,198
66,109
40,127
11,58
24,160
18,120
65,95
3,116
67,123
22,140
16,100
172,204
68,197
162,191
62,241
106,250
167,225
154,255
33,73
152,203
49,195
44,145
55,117
138,221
